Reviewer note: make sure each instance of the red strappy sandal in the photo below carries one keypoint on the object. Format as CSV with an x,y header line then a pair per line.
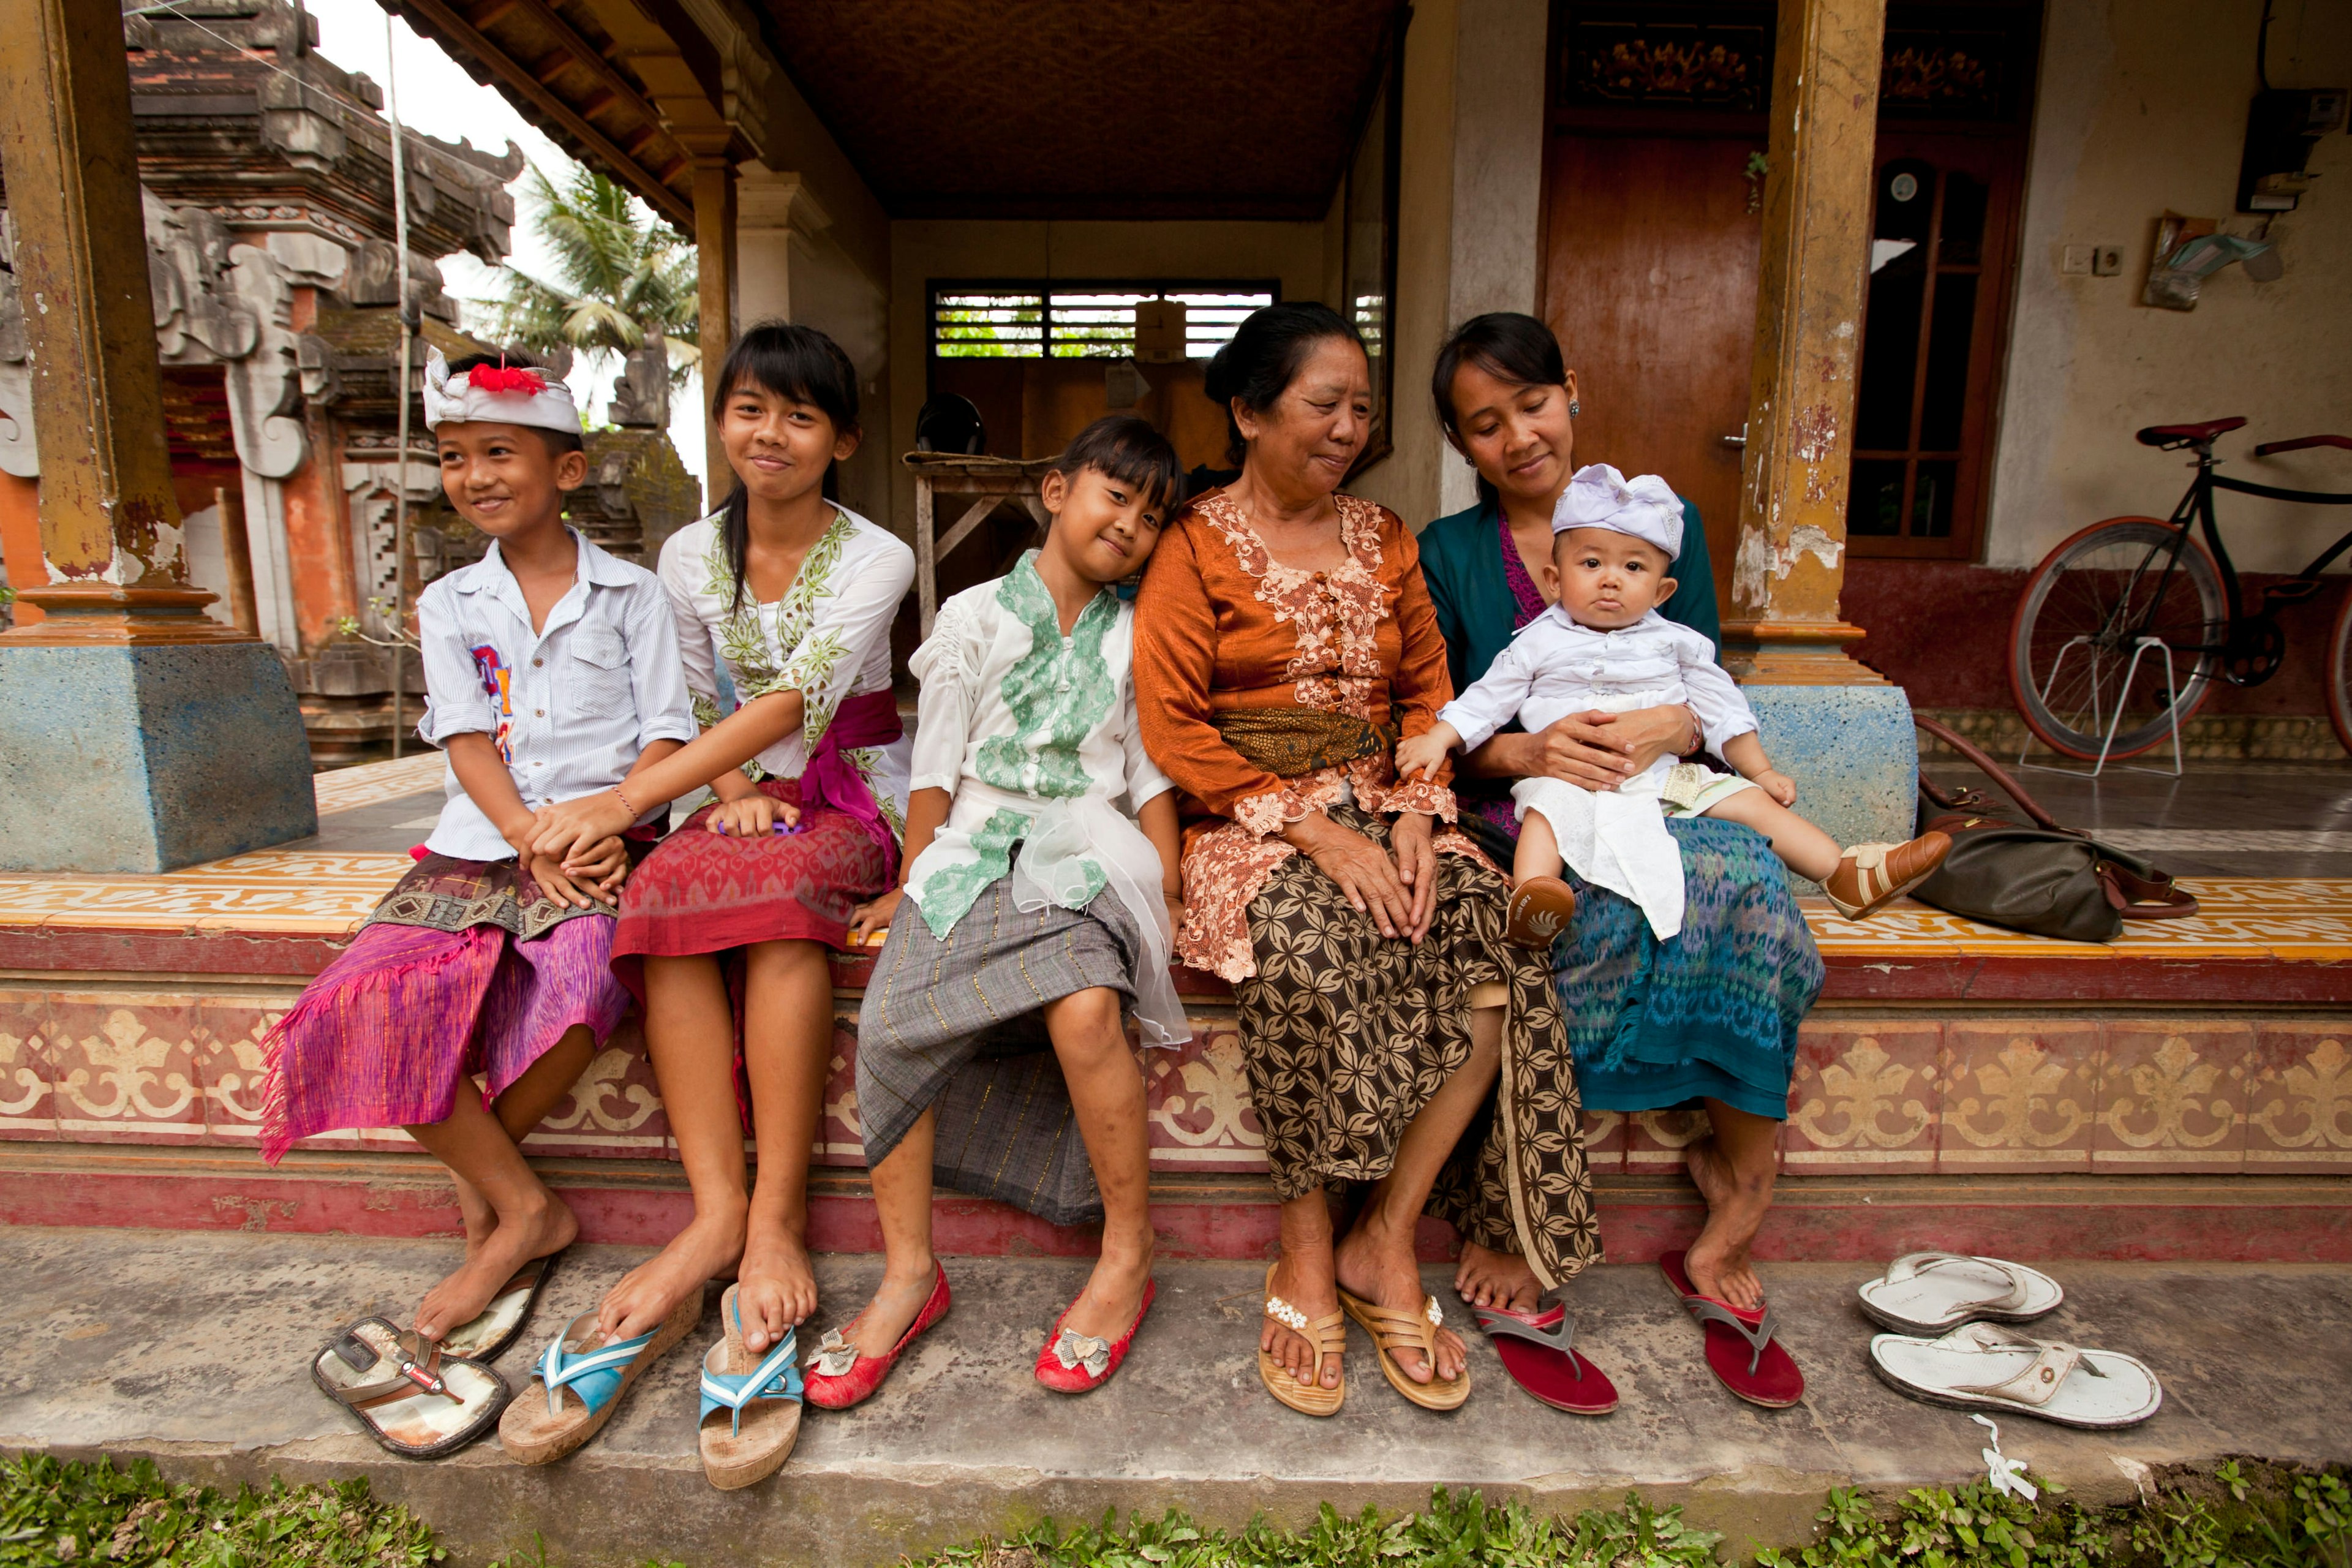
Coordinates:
x,y
1740,1347
841,1377
1073,1362
1537,1350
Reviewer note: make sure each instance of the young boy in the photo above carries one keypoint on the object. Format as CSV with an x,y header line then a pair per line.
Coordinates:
x,y
1605,645
1041,875
552,669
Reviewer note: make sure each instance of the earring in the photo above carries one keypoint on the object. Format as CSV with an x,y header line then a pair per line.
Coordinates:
x,y
1469,462
1574,408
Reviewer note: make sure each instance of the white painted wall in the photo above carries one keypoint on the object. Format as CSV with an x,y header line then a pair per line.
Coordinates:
x,y
2142,108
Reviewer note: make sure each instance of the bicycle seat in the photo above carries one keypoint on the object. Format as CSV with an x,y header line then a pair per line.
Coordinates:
x,y
2187,435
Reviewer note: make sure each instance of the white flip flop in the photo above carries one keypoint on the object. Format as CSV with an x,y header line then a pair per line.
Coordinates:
x,y
1984,1366
1930,1293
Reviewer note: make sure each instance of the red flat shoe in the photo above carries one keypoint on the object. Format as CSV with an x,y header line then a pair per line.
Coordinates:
x,y
840,1377
1536,1349
1740,1349
1073,1362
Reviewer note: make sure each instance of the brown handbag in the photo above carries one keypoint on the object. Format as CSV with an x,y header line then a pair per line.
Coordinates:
x,y
2037,875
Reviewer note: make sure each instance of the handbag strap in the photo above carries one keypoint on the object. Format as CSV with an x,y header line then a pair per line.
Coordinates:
x,y
1971,752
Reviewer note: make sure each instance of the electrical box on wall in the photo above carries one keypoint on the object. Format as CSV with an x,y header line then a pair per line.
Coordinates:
x,y
2281,126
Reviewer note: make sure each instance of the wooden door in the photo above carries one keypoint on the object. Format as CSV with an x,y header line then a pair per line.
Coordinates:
x,y
1650,260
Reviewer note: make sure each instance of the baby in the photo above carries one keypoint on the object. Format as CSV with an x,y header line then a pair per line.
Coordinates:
x,y
1603,646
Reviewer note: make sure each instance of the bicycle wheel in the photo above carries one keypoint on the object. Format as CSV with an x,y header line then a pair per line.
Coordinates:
x,y
2339,674
2079,624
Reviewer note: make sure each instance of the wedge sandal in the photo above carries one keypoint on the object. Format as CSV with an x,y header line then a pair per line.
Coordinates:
x,y
1743,1348
493,1334
1986,1366
411,1396
1932,1294
761,1397
1537,1349
1327,1334
1392,1331
585,1380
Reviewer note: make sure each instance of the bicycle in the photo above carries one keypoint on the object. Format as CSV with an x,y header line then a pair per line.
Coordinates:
x,y
2109,605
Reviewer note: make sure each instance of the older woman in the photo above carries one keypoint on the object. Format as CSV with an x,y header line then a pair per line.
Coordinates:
x,y
1709,1018
1284,639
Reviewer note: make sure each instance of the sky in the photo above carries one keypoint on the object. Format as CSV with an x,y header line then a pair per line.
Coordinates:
x,y
439,98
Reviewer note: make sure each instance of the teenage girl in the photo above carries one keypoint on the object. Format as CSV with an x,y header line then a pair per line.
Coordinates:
x,y
726,931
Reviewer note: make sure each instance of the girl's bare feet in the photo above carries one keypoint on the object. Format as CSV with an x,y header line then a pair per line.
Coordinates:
x,y
776,1289
1485,1277
1106,1309
1379,1265
543,1226
1303,1279
475,1209
898,1303
1737,1202
709,1246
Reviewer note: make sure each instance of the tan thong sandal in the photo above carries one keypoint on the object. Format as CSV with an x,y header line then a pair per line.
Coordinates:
x,y
760,1396
585,1380
1393,1331
1327,1334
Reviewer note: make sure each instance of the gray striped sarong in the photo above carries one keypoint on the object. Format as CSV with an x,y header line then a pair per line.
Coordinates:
x,y
955,1025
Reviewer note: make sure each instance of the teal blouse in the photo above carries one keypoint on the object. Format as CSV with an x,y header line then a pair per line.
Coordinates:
x,y
1461,557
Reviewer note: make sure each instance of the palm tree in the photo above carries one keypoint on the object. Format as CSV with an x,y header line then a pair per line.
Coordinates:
x,y
618,274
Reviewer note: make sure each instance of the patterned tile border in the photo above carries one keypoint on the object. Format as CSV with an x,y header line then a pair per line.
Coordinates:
x,y
1892,1095
371,783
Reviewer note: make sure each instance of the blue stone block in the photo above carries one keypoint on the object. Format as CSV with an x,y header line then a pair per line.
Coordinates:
x,y
1853,753
148,758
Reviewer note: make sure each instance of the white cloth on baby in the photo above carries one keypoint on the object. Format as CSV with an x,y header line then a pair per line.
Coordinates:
x,y
1555,668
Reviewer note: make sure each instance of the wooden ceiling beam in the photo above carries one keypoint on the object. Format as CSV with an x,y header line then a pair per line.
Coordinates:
x,y
543,15
444,17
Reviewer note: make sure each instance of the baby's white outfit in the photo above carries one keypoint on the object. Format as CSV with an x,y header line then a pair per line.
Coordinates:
x,y
1555,668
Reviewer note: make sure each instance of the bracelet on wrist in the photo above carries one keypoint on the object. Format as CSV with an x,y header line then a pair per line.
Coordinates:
x,y
632,811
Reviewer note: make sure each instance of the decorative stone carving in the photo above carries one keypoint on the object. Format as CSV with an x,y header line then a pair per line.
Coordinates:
x,y
641,391
373,488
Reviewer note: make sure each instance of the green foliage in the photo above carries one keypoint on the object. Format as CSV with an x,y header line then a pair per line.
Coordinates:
x,y
2246,1515
53,1512
618,272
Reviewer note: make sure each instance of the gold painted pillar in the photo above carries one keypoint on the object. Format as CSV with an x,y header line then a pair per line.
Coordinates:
x,y
109,525
714,244
1784,627
136,732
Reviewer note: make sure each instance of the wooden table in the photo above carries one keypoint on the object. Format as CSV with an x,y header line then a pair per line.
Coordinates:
x,y
992,481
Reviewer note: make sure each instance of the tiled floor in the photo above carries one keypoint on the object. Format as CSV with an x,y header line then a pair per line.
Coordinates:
x,y
2235,819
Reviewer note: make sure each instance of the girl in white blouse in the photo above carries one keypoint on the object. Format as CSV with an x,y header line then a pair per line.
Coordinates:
x,y
1041,874
727,931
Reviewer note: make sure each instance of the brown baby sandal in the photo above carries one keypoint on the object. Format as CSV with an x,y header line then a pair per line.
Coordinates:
x,y
1873,876
1542,910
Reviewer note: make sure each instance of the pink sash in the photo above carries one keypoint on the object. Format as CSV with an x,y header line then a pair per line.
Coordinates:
x,y
833,780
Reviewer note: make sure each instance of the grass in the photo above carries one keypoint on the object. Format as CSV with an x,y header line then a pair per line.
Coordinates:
x,y
2246,1514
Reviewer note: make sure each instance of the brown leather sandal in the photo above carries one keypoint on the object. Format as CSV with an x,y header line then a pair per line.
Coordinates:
x,y
1392,1331
1327,1334
1541,911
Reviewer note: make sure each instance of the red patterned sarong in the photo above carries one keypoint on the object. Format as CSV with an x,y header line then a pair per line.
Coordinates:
x,y
705,892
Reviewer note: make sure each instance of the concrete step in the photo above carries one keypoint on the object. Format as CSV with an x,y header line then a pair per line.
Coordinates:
x,y
191,1349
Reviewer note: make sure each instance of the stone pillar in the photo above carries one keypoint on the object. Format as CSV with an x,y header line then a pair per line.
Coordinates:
x,y
1837,728
136,732
714,244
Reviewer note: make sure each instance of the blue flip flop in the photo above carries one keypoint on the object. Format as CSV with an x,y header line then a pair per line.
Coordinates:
x,y
585,1380
763,1404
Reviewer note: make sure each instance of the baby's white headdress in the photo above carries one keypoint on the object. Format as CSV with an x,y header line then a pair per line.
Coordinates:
x,y
509,394
1644,505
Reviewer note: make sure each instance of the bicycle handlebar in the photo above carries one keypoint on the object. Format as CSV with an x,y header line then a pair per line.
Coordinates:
x,y
2300,442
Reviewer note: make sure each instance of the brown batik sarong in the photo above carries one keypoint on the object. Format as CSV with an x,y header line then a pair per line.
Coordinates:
x,y
1348,1034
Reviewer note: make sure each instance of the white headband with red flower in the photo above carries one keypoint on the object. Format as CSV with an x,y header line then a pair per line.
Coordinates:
x,y
506,394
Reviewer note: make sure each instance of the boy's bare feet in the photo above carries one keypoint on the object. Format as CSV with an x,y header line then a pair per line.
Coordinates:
x,y
1379,1266
547,1227
898,1303
475,1209
775,1287
709,1246
1304,1280
1736,1203
1485,1277
1106,1309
